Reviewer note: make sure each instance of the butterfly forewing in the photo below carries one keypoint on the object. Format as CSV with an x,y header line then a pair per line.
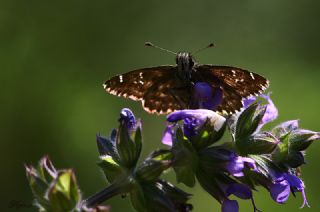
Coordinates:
x,y
135,84
155,87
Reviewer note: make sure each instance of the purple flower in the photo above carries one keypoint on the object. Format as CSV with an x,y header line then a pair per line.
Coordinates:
x,y
239,190
237,163
229,206
168,134
286,183
205,97
192,121
127,118
271,111
199,116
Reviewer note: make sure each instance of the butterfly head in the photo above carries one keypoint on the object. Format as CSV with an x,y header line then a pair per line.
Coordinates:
x,y
184,61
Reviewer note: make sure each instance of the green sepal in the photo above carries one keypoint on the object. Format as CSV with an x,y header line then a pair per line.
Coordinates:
x,y
138,141
262,143
38,187
150,170
126,148
111,169
295,159
285,128
185,160
280,153
300,140
63,192
137,198
247,123
207,136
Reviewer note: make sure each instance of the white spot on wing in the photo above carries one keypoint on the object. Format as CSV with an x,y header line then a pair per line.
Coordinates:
x,y
141,82
251,74
121,78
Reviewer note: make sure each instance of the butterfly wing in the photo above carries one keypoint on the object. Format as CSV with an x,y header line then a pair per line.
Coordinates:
x,y
237,84
156,87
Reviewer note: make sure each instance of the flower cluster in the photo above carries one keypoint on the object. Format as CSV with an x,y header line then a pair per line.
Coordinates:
x,y
196,152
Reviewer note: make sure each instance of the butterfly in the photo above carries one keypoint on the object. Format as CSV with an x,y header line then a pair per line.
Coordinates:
x,y
164,89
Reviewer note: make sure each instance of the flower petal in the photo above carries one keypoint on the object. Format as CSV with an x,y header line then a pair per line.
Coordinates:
x,y
271,111
280,191
201,115
229,206
205,98
127,118
167,137
239,190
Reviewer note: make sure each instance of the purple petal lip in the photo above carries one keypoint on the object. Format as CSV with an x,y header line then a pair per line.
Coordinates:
x,y
167,137
229,206
240,190
236,165
201,115
128,118
280,191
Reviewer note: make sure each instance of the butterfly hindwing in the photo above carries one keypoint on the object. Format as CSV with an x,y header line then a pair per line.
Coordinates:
x,y
166,96
237,84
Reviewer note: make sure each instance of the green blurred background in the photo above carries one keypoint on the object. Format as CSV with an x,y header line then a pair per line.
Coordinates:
x,y
55,55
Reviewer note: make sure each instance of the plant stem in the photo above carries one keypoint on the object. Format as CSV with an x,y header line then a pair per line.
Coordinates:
x,y
106,193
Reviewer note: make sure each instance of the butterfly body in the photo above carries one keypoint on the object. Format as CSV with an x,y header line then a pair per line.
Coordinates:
x,y
164,89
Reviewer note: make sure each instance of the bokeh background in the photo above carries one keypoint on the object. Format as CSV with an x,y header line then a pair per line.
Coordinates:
x,y
55,55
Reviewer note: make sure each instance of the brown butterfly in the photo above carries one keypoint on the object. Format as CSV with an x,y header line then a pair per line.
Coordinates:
x,y
164,89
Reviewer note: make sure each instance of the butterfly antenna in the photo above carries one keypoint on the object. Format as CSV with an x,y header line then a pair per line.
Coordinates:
x,y
158,47
207,47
